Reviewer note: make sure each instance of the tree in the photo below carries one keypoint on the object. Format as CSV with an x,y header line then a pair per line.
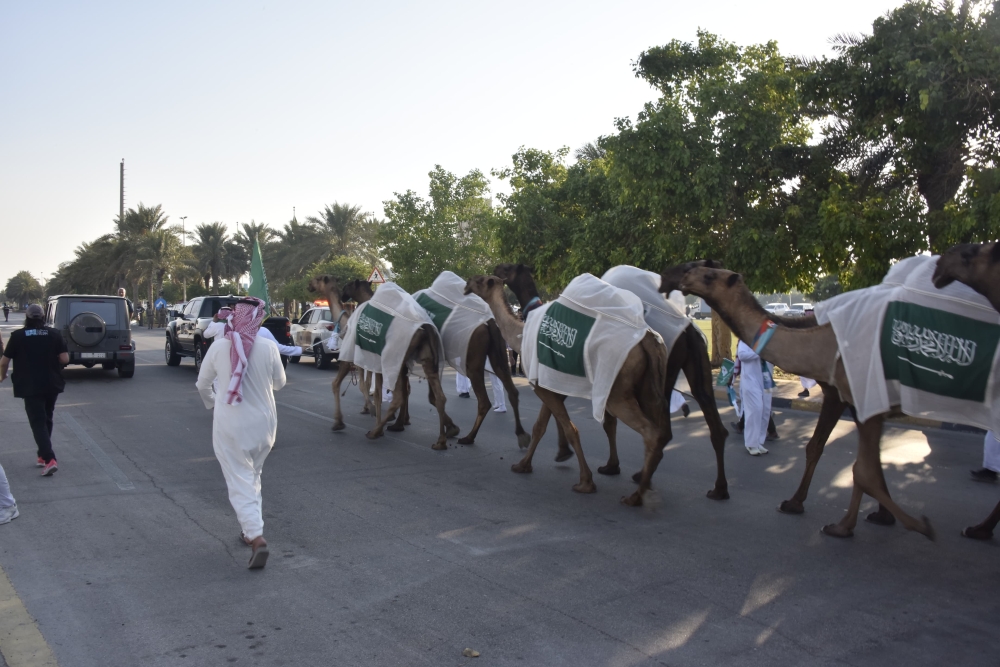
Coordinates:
x,y
210,253
344,231
452,230
24,288
160,253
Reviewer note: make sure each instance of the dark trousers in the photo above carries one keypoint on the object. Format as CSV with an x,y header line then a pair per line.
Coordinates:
x,y
39,410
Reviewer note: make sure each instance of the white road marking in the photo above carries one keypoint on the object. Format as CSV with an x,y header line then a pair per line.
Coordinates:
x,y
114,472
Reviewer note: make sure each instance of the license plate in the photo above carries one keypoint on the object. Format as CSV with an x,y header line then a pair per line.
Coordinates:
x,y
93,355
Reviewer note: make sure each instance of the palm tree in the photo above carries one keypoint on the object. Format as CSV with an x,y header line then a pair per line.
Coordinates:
x,y
129,236
160,253
210,250
345,231
24,288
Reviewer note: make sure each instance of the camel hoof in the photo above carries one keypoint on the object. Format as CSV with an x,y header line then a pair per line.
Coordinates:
x,y
790,507
834,530
928,530
451,431
339,426
372,435
610,470
439,446
585,487
521,467
564,455
882,517
365,410
466,440
718,494
635,500
395,428
523,440
977,533
637,477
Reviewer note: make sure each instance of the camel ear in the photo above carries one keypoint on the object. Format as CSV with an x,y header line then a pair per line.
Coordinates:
x,y
490,282
733,279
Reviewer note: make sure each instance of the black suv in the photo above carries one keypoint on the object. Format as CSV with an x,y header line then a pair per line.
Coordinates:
x,y
186,330
96,329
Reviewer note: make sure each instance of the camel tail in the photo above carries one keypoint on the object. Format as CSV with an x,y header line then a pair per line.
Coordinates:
x,y
435,338
657,354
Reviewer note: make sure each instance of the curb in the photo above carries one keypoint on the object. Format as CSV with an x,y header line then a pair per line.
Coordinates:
x,y
804,405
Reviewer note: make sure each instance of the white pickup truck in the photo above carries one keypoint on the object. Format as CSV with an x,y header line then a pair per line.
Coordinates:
x,y
311,332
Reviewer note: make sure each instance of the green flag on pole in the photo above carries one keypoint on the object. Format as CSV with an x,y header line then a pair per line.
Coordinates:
x,y
258,279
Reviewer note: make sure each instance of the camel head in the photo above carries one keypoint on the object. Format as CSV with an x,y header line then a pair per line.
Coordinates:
x,y
481,286
712,284
671,278
967,263
324,284
510,272
358,291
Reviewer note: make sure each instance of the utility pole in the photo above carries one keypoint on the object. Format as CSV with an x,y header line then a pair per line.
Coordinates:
x,y
121,193
184,279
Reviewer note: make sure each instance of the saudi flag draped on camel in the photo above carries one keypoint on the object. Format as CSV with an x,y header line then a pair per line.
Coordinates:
x,y
455,314
931,351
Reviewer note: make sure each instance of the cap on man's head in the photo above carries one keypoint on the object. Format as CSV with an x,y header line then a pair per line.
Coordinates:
x,y
34,312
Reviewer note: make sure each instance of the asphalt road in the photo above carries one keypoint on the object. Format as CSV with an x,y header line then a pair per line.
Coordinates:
x,y
389,553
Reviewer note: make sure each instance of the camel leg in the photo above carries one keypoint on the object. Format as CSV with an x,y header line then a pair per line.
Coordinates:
x,y
829,415
365,384
498,359
338,417
564,453
698,371
398,395
446,426
537,431
476,366
611,430
404,411
984,531
868,479
557,405
654,436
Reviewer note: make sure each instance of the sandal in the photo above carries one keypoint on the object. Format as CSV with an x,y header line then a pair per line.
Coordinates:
x,y
259,557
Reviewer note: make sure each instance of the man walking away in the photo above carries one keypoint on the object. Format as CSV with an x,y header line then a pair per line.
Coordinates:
x,y
39,353
8,508
248,369
6,311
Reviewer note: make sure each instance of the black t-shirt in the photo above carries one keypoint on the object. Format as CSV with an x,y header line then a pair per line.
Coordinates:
x,y
35,354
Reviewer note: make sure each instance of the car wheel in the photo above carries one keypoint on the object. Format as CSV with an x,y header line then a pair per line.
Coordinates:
x,y
173,359
198,354
127,369
294,360
320,359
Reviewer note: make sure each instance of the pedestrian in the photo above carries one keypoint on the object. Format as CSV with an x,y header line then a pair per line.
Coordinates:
x,y
245,423
39,353
772,431
6,311
499,397
755,390
991,459
807,384
128,304
8,507
463,385
679,403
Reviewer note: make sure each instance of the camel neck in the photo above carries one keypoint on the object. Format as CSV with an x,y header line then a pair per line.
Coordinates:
x,y
508,323
988,289
524,289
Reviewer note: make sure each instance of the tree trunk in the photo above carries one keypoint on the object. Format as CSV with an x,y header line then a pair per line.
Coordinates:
x,y
152,310
722,341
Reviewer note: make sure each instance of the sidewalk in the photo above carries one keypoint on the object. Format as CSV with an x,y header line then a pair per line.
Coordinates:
x,y
785,395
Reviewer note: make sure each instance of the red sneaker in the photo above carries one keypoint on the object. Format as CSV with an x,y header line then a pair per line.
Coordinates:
x,y
50,468
40,463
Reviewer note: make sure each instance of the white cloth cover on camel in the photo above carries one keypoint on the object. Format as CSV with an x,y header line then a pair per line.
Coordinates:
x,y
932,352
456,316
380,330
662,314
576,345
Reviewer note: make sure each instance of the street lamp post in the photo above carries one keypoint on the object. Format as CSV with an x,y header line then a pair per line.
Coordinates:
x,y
184,280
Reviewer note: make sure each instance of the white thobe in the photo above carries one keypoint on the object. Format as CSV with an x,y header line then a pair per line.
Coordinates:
x,y
991,452
499,398
677,401
463,385
756,399
6,500
216,329
243,434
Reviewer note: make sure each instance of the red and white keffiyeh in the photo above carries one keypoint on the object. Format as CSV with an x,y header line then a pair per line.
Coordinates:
x,y
241,330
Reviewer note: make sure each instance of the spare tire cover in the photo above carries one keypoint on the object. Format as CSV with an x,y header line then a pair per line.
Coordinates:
x,y
87,329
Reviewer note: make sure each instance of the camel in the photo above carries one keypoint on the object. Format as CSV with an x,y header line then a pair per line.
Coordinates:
x,y
811,351
689,354
421,350
326,286
976,265
636,396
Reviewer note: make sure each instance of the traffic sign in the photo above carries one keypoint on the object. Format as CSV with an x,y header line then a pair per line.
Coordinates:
x,y
376,276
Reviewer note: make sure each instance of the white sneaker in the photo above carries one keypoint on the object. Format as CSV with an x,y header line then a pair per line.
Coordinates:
x,y
499,409
761,449
7,514
753,451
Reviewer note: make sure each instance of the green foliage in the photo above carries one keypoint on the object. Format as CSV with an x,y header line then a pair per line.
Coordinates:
x,y
826,287
343,268
452,230
23,288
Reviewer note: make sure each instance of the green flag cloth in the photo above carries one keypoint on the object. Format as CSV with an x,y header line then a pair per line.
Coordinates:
x,y
258,279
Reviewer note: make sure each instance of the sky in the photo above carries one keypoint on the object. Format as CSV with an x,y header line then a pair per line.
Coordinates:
x,y
239,111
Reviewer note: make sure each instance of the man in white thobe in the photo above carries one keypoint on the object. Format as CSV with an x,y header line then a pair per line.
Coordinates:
x,y
991,459
755,390
243,431
499,396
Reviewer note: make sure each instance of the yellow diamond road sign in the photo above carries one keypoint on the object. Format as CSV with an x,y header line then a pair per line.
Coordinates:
x,y
376,276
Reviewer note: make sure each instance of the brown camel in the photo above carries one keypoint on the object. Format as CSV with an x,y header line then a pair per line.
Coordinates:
x,y
811,352
689,354
636,395
978,266
421,350
326,286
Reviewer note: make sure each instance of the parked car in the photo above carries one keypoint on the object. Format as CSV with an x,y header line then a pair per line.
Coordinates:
x,y
310,331
186,328
96,330
805,307
777,308
700,310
